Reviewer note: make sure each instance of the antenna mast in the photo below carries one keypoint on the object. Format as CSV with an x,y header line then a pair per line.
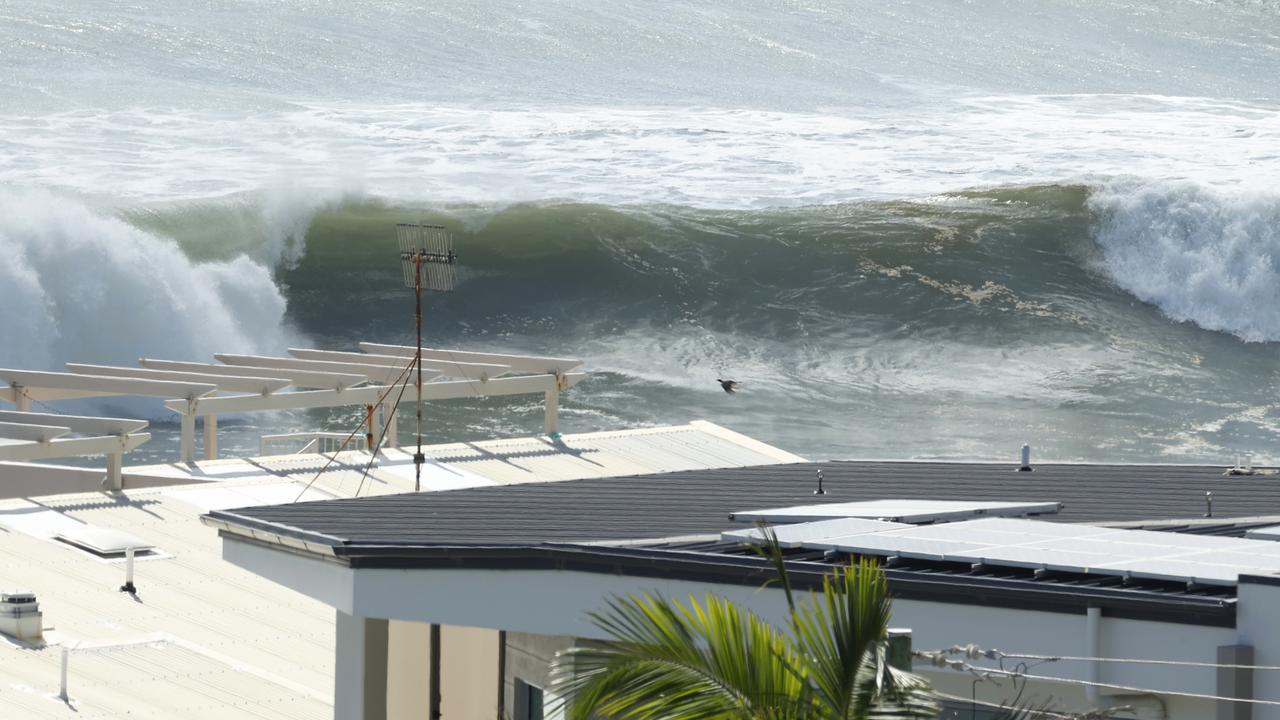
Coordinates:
x,y
428,246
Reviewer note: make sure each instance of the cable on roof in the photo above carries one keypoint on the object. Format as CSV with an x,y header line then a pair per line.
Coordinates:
x,y
334,456
382,436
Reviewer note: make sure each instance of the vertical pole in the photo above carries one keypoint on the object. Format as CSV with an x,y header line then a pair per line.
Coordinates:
x,y
551,421
418,458
1093,649
115,471
898,651
1235,682
128,572
389,420
188,443
368,428
62,686
502,673
210,437
21,400
433,711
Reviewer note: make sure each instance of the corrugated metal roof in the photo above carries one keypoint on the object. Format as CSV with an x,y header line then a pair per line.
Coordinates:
x,y
698,502
157,679
260,650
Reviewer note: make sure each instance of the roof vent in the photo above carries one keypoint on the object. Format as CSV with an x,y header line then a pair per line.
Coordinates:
x,y
1246,469
20,616
1026,458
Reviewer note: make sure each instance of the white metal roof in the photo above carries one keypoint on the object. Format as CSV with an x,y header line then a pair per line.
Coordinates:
x,y
238,646
908,511
1264,533
1075,548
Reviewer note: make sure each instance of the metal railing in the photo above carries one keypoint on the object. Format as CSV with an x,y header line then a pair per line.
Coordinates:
x,y
313,442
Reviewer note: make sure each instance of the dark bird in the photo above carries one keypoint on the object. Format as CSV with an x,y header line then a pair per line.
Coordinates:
x,y
730,386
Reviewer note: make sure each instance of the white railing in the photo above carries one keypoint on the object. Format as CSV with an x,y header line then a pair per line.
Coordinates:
x,y
313,442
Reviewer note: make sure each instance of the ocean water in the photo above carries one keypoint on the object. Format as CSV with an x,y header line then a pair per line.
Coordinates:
x,y
908,229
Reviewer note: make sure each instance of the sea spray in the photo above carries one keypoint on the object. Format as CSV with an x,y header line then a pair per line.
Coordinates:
x,y
80,285
1201,254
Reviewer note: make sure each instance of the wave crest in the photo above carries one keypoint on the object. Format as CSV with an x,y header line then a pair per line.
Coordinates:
x,y
1204,255
77,284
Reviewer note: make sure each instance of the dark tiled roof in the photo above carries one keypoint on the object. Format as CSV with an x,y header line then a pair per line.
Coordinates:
x,y
698,502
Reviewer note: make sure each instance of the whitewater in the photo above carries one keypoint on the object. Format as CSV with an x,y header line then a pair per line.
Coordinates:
x,y
909,230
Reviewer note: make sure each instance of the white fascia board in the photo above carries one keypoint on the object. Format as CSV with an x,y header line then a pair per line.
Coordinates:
x,y
471,371
84,424
100,384
520,363
299,378
225,383
374,394
73,447
381,374
325,581
32,432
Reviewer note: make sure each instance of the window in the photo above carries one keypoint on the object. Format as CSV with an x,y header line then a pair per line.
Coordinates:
x,y
529,701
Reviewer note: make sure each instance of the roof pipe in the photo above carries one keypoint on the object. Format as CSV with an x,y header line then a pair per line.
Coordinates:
x,y
1093,691
1093,639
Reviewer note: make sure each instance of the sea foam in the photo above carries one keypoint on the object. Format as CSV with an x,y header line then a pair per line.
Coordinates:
x,y
1209,255
82,285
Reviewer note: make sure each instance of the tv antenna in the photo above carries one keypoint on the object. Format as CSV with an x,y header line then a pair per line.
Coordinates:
x,y
426,256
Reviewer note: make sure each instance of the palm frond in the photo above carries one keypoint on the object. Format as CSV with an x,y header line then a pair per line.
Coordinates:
x,y
680,661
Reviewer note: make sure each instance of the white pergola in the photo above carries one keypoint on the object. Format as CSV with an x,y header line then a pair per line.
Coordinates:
x,y
26,436
306,378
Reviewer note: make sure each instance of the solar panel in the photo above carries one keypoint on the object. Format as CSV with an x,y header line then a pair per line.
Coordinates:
x,y
1265,533
912,511
1072,548
792,536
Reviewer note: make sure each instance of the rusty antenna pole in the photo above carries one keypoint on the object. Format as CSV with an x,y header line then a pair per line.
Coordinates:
x,y
428,246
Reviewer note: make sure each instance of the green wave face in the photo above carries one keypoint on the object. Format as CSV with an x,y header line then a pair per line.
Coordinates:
x,y
956,326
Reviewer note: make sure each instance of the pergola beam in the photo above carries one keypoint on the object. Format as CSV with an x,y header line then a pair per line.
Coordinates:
x,y
519,363
72,447
41,385
372,395
224,383
299,378
82,424
31,432
465,370
381,374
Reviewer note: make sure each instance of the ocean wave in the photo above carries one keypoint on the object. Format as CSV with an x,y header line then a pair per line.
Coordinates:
x,y
81,284
1210,256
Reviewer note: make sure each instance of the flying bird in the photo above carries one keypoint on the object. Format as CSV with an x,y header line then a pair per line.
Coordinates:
x,y
730,386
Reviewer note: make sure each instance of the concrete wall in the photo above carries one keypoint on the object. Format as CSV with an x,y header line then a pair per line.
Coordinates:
x,y
469,672
529,659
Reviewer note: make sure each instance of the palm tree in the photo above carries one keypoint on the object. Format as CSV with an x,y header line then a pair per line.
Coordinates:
x,y
709,659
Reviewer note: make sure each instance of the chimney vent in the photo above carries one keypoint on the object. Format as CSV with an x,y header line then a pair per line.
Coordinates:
x,y
1026,459
20,616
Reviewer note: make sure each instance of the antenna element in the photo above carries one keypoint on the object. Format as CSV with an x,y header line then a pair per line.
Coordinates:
x,y
426,257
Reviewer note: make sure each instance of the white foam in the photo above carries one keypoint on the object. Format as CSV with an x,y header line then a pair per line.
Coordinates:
x,y
81,285
1201,254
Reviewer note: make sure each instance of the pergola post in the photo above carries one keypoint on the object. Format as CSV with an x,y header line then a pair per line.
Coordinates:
x,y
21,400
188,444
115,471
389,421
551,420
211,437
